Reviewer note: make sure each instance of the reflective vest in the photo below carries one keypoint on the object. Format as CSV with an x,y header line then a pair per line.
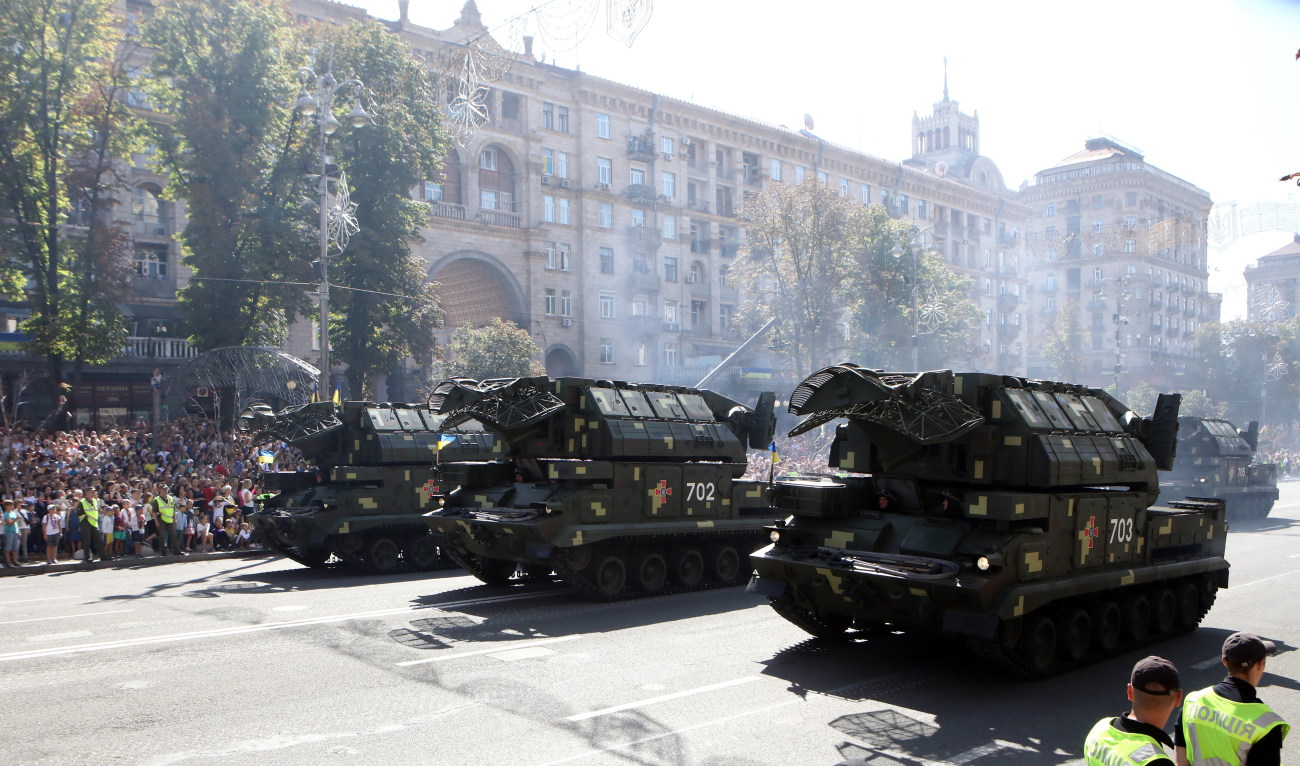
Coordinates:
x,y
166,508
1109,746
1220,732
91,510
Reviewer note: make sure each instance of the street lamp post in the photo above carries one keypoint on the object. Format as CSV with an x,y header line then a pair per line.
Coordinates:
x,y
914,247
317,92
1122,294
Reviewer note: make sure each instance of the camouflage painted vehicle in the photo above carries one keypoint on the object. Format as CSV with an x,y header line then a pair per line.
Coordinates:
x,y
1215,460
1011,512
375,469
623,489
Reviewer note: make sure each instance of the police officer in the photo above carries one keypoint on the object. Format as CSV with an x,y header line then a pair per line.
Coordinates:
x,y
88,509
1226,724
1138,737
163,506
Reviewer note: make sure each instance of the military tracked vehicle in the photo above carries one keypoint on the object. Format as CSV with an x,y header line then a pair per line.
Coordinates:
x,y
1012,512
375,477
622,489
1214,460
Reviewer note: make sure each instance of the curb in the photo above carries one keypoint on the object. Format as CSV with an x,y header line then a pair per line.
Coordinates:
x,y
129,562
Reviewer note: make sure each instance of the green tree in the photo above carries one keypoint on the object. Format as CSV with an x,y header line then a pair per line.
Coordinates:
x,y
1063,342
62,124
391,311
234,152
1141,398
499,350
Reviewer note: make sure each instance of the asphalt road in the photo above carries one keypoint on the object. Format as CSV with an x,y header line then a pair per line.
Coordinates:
x,y
260,661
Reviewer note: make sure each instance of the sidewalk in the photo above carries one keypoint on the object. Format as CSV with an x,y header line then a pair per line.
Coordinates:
x,y
128,562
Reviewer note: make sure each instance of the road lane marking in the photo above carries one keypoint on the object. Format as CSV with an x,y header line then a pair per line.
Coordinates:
x,y
10,587
1265,579
673,733
29,600
218,632
493,650
664,698
1203,664
67,616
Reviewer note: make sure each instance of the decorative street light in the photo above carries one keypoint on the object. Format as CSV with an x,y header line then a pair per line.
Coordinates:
x,y
1122,294
317,94
915,247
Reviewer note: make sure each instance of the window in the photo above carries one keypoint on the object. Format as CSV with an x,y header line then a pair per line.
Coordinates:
x,y
666,145
638,217
670,227
487,159
562,119
672,358
548,208
548,116
488,199
151,263
668,183
432,192
551,301
566,303
726,316
699,314
988,287
607,305
821,176
1098,227
776,169
921,211
640,263
548,162
562,165
602,125
1130,198
606,215
1098,249
639,307
844,188
1050,232
607,260
1050,211
552,259
864,193
1130,246
566,256
670,269
605,170
636,176
799,173
988,317
1131,222
670,312
606,350
1096,202
564,210
640,354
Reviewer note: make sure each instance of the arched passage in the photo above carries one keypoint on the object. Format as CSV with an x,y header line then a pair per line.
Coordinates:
x,y
475,289
560,362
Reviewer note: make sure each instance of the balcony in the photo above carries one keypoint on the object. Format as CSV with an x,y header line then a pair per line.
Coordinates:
x,y
1008,271
498,218
1049,311
642,147
1096,304
697,205
1010,331
646,234
1189,311
702,245
149,226
159,348
725,174
753,176
644,193
1172,330
440,209
645,323
154,286
643,278
1008,300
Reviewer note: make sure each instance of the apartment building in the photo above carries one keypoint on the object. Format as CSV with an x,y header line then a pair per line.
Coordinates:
x,y
1271,285
1123,244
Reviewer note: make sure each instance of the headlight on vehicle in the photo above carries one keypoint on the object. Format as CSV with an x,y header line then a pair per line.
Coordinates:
x,y
774,536
983,564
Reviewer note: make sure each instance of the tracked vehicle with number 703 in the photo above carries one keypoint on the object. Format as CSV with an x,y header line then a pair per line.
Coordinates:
x,y
623,489
1014,513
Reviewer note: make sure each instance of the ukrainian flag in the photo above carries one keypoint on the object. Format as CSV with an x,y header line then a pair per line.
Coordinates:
x,y
772,448
444,440
338,397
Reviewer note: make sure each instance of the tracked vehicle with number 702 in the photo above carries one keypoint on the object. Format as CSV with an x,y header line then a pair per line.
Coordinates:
x,y
1014,513
623,489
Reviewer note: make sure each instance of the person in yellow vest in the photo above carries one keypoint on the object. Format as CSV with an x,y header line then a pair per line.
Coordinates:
x,y
1227,724
88,510
1138,738
163,507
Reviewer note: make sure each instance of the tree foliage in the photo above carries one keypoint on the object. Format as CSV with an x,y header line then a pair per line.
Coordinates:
x,y
840,278
1063,340
233,151
498,350
391,310
62,124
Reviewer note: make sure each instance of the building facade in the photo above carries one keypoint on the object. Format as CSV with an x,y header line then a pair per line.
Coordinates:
x,y
1120,246
1271,285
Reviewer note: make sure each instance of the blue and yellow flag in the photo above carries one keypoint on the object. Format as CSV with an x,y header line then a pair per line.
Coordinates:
x,y
772,448
338,397
264,456
444,440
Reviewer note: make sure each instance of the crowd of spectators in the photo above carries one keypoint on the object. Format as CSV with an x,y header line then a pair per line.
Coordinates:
x,y
212,477
806,454
1286,460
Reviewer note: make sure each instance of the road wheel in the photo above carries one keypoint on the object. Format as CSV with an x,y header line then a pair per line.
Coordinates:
x,y
687,567
1075,634
421,553
609,575
1037,646
1107,625
724,561
1189,606
1137,618
493,571
1166,611
535,572
382,555
651,571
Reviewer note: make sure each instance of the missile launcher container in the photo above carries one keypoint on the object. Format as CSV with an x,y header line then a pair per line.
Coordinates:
x,y
1215,460
374,479
622,489
1014,513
